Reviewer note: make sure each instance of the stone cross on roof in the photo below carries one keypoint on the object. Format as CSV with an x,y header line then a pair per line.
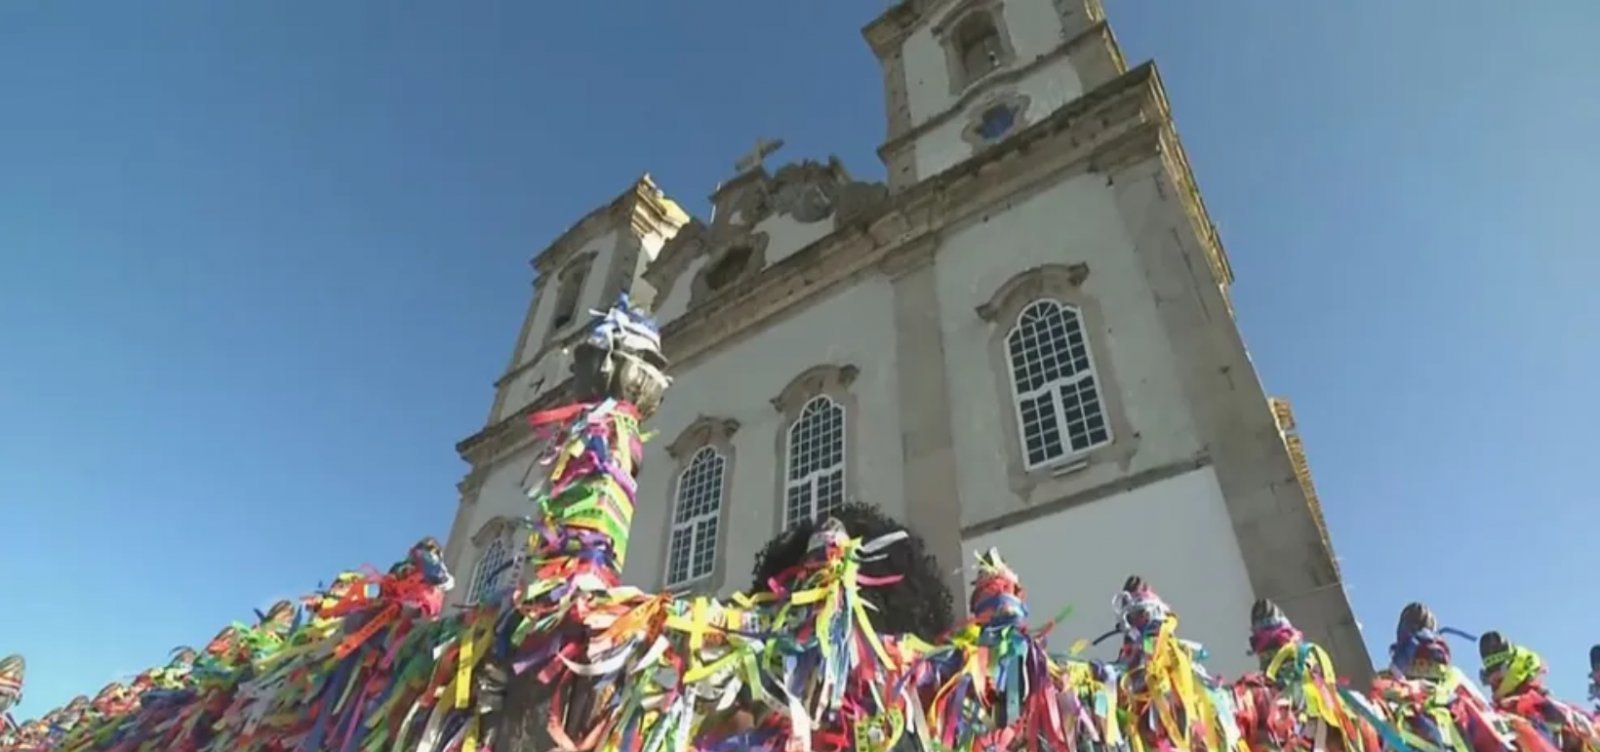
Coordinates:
x,y
751,161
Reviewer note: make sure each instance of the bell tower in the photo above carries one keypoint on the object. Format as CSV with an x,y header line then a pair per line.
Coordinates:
x,y
962,75
602,255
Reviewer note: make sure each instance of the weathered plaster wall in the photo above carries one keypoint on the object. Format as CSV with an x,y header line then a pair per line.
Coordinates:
x,y
1075,221
789,234
1174,533
1047,88
604,249
853,327
674,301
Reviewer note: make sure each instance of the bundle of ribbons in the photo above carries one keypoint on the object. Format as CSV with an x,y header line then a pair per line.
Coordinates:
x,y
1514,676
1170,700
374,662
1594,678
995,683
12,671
1295,702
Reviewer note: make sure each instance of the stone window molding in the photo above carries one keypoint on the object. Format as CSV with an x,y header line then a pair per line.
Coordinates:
x,y
568,289
976,22
1062,283
823,381
715,434
500,552
974,134
747,250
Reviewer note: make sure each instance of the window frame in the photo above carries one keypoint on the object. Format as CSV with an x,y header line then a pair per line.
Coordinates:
x,y
573,277
499,533
1044,482
703,433
1069,452
752,244
813,480
833,382
689,526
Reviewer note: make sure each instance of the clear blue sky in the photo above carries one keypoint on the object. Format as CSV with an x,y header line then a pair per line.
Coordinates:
x,y
261,261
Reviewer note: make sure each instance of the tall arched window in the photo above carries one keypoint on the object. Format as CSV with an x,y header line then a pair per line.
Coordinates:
x,y
492,573
814,481
1058,403
567,297
569,284
696,514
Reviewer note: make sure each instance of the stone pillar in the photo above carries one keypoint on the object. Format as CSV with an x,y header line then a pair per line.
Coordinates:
x,y
932,503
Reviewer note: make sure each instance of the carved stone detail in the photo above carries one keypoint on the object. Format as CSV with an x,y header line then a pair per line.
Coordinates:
x,y
643,206
497,526
809,191
823,379
1034,283
752,244
704,431
1017,103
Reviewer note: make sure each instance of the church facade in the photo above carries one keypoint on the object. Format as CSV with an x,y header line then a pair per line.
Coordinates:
x,y
1023,339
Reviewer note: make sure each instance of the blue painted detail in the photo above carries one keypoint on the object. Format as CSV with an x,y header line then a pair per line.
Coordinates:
x,y
997,121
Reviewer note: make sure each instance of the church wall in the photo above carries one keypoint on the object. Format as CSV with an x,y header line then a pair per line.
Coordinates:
x,y
1071,222
1174,533
927,78
1047,89
504,491
674,301
1035,27
854,326
550,369
789,234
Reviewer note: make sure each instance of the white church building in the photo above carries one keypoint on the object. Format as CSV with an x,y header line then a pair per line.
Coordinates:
x,y
1024,340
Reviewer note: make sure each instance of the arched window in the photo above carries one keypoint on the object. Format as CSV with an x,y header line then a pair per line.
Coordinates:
x,y
1058,403
494,570
697,512
978,46
814,481
568,294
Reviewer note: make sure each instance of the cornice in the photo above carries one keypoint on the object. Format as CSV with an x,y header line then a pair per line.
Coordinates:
x,y
1107,126
1194,204
565,341
885,32
655,210
484,446
1283,414
643,207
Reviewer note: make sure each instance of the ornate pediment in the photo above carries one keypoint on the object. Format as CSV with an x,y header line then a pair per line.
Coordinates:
x,y
704,431
808,192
